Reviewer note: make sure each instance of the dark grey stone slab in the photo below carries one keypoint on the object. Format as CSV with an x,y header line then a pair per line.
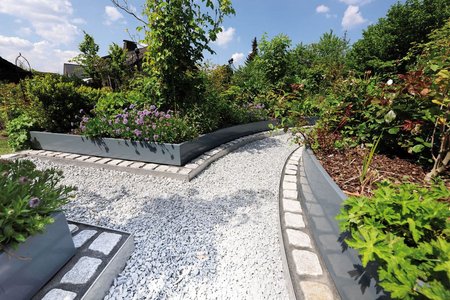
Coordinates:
x,y
344,265
107,266
169,154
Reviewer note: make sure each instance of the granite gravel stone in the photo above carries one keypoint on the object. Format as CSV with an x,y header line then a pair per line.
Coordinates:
x,y
215,237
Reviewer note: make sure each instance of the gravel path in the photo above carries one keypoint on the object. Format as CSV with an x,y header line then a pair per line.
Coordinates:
x,y
215,237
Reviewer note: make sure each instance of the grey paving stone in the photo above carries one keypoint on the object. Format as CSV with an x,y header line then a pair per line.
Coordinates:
x,y
292,206
137,165
199,161
115,162
82,271
290,178
290,194
293,162
58,294
316,291
298,238
290,172
306,263
191,166
294,221
105,242
184,171
82,237
62,155
73,228
291,167
82,158
289,185
162,168
103,161
150,166
93,159
126,163
73,156
173,169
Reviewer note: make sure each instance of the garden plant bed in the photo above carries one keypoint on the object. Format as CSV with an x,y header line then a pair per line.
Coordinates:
x,y
169,154
344,167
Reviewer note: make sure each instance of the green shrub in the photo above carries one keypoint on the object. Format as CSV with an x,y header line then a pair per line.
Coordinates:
x,y
28,197
139,125
405,229
18,131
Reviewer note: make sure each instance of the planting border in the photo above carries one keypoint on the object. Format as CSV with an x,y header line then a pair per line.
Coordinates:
x,y
322,199
164,153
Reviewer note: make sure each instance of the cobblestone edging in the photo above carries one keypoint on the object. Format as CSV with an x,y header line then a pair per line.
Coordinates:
x,y
185,173
305,273
101,254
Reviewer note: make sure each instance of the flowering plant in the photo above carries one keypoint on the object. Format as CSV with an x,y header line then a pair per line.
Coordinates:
x,y
150,125
28,197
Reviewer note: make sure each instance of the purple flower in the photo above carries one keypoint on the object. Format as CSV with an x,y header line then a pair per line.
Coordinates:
x,y
154,126
83,128
125,121
117,131
152,107
116,121
132,106
137,132
34,202
167,116
85,119
156,114
109,122
127,129
81,111
23,180
155,137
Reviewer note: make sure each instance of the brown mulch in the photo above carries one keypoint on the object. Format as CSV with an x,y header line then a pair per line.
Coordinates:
x,y
345,169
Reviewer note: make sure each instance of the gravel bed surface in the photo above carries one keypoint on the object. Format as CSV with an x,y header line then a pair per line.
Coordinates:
x,y
215,237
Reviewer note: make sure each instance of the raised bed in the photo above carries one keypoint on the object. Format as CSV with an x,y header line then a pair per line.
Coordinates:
x,y
323,201
25,270
169,154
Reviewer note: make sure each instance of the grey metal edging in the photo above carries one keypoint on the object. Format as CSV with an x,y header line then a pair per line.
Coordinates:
x,y
323,199
165,153
287,271
105,279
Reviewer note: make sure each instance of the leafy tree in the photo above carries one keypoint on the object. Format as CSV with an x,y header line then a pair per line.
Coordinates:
x,y
254,52
178,33
89,59
328,58
117,68
274,57
386,42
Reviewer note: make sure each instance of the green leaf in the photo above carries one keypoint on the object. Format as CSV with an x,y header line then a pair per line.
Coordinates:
x,y
394,130
417,148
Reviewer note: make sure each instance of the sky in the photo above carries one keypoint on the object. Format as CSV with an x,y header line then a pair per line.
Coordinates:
x,y
47,32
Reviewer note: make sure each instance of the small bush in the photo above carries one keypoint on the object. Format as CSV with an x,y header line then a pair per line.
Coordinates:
x,y
28,197
18,132
139,125
405,229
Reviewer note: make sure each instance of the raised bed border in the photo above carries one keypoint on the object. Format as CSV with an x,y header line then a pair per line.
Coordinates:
x,y
165,153
322,199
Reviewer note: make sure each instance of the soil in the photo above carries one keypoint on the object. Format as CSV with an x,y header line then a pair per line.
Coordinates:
x,y
345,169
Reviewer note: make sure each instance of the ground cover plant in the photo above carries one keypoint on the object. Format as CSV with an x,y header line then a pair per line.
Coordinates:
x,y
28,198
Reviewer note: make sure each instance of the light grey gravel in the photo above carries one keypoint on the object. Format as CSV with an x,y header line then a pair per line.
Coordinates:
x,y
215,237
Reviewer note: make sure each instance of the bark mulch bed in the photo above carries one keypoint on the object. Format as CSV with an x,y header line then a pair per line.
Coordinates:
x,y
345,169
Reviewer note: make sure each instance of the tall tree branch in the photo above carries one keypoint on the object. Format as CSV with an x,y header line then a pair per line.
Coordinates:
x,y
123,5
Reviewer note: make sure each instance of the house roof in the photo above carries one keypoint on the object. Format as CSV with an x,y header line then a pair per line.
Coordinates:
x,y
9,72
